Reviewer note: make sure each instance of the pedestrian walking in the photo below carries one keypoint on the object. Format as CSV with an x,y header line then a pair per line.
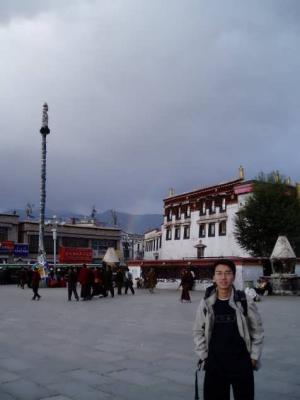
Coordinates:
x,y
58,276
29,277
108,280
98,287
35,284
96,282
193,277
186,284
84,282
72,284
128,281
119,280
228,335
90,283
52,274
22,277
151,280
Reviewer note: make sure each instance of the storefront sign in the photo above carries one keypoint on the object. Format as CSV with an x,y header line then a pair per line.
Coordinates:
x,y
21,250
6,247
75,255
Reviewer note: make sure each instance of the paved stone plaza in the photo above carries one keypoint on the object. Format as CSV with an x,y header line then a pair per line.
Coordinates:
x,y
129,347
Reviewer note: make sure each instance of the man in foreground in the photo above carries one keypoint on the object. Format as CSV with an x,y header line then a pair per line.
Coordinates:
x,y
228,335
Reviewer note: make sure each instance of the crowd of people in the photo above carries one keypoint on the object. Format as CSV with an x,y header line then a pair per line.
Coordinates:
x,y
102,281
94,282
228,331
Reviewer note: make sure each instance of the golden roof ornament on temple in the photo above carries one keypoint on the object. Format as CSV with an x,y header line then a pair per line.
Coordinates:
x,y
241,172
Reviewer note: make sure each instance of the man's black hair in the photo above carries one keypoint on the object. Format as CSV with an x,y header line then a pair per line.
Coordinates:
x,y
228,263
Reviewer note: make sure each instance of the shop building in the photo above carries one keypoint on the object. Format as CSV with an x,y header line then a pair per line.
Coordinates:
x,y
76,237
9,224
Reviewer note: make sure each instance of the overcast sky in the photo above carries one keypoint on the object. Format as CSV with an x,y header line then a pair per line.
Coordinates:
x,y
145,95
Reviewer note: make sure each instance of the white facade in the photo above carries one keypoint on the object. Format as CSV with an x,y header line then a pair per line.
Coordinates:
x,y
200,231
152,245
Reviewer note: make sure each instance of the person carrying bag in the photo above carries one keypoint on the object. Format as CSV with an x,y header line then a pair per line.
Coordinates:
x,y
228,336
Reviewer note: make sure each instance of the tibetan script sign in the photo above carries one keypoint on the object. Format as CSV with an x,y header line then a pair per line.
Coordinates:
x,y
75,255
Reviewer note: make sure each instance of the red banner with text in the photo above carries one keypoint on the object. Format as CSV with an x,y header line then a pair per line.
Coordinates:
x,y
75,255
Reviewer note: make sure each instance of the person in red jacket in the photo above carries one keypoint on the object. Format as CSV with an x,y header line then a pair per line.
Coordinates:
x,y
97,286
35,284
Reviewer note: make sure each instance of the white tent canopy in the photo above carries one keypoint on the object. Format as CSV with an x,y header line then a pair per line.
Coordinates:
x,y
283,249
111,256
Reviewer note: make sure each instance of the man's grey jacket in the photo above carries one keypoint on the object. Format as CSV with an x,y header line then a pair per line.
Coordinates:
x,y
250,326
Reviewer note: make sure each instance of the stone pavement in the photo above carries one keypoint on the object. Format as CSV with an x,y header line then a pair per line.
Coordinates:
x,y
128,347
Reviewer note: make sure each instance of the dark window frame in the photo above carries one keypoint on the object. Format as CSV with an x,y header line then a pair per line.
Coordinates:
x,y
210,233
177,229
202,235
185,230
211,209
200,252
169,216
168,234
202,210
220,224
74,241
3,233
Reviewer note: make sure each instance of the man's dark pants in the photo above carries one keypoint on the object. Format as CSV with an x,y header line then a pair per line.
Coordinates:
x,y
35,289
119,286
217,382
72,289
129,284
109,288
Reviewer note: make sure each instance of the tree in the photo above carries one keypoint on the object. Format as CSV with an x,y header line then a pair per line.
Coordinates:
x,y
272,209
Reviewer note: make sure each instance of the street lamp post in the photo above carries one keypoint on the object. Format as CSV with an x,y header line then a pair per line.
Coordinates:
x,y
44,132
54,223
54,232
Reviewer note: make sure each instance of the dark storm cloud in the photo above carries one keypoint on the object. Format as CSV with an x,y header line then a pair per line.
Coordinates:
x,y
146,95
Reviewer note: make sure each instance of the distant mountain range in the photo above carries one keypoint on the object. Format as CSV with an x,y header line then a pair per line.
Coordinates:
x,y
130,223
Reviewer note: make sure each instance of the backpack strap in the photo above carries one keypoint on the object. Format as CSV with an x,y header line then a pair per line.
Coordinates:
x,y
209,291
240,296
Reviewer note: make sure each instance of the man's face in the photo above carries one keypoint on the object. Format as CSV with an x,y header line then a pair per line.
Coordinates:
x,y
223,276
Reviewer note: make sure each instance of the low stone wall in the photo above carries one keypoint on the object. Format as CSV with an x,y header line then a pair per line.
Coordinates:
x,y
285,285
